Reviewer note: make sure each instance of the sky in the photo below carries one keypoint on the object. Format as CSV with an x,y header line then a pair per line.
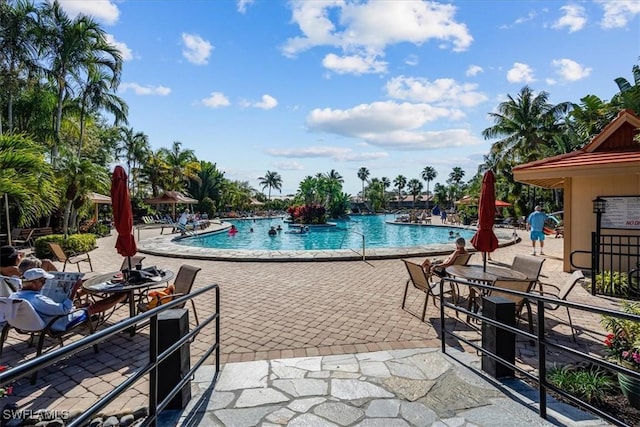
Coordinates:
x,y
304,87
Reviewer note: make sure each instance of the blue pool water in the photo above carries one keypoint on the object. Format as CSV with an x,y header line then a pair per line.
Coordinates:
x,y
347,234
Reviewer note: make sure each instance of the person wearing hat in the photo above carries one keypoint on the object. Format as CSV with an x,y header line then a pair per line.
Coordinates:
x,y
32,283
535,222
11,258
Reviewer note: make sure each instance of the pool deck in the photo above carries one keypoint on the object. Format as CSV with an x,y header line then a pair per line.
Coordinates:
x,y
166,245
275,311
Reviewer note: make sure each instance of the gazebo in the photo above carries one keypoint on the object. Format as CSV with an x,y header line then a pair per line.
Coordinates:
x,y
98,199
172,198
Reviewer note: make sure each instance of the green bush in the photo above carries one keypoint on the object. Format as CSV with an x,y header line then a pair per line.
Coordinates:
x,y
75,243
612,283
588,383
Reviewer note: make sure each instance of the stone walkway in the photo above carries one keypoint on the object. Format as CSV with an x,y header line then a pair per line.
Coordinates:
x,y
419,387
283,310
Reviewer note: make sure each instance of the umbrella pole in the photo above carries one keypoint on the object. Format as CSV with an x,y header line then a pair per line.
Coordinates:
x,y
484,261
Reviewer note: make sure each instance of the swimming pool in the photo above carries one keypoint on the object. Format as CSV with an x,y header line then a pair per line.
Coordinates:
x,y
346,234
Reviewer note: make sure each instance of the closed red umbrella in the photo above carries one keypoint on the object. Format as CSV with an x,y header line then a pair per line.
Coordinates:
x,y
122,214
485,240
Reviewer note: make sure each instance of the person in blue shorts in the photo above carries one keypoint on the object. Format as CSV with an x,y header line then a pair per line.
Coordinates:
x,y
535,223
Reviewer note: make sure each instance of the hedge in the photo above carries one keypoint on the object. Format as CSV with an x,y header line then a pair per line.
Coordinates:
x,y
75,243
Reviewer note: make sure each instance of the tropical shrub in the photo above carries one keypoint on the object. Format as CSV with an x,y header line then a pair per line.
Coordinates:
x,y
612,283
588,383
623,340
308,214
75,243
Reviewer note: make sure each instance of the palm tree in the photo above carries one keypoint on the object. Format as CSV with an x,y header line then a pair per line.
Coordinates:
x,y
386,183
526,123
209,183
182,164
400,182
136,148
629,95
17,50
307,190
363,174
27,178
71,47
456,175
271,180
428,174
415,188
155,173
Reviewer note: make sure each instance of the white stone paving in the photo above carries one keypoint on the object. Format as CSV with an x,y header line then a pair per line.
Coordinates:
x,y
378,389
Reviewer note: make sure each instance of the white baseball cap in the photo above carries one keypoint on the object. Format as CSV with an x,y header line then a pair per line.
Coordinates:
x,y
36,273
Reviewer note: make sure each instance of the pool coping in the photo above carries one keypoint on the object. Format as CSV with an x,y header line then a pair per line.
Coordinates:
x,y
164,245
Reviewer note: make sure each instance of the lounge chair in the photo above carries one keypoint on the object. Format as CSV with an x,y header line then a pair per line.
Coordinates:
x,y
75,258
421,281
20,315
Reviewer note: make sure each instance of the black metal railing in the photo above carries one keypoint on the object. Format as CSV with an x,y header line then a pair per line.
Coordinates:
x,y
151,368
540,340
613,256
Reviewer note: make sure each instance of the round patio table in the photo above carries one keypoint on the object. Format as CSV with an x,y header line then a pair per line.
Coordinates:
x,y
108,283
477,273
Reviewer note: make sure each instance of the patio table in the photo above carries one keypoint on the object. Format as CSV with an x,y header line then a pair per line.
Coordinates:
x,y
108,283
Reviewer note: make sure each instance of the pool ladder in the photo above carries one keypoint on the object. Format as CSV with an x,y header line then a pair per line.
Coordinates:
x,y
364,258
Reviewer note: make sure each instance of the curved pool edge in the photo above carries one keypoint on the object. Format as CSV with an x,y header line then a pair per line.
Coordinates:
x,y
165,246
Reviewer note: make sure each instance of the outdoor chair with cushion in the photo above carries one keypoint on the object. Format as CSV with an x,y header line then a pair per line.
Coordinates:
x,y
61,256
530,266
562,293
420,280
181,286
20,315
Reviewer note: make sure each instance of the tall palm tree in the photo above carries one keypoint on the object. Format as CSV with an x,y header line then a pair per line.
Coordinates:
x,y
456,175
428,174
209,183
525,124
629,95
70,47
135,148
271,180
182,165
17,50
386,183
363,175
155,173
415,188
400,182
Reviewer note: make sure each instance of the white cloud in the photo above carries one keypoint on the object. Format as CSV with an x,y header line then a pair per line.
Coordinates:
x,y
574,18
367,28
390,124
335,153
570,70
103,10
145,90
215,100
289,166
474,70
268,102
127,54
196,49
618,13
442,92
520,73
530,17
353,64
411,60
242,5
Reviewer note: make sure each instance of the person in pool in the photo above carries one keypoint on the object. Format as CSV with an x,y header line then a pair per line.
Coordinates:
x,y
272,231
233,230
278,228
438,267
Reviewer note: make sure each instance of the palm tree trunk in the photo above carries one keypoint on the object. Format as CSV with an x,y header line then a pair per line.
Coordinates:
x,y
65,217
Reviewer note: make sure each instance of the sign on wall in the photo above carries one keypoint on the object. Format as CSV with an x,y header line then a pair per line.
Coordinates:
x,y
621,212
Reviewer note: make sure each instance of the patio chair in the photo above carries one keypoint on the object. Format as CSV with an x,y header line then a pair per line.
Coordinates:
x,y
75,258
460,260
18,242
562,293
528,265
521,302
420,280
181,286
20,315
135,260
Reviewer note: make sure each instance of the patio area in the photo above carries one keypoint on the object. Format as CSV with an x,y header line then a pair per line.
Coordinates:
x,y
332,308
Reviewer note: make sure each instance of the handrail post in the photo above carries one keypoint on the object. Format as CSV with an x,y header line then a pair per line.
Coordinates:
x,y
153,374
364,258
542,362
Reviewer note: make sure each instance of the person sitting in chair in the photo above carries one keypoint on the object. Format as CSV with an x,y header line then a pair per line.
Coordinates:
x,y
47,309
438,267
11,258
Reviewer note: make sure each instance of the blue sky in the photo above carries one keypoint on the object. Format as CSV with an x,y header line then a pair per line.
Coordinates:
x,y
301,87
